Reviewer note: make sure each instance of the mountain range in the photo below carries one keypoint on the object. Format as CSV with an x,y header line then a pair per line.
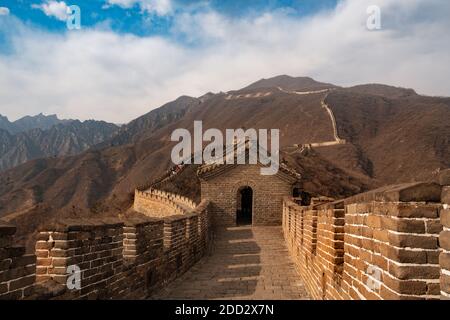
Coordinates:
x,y
26,123
391,135
41,136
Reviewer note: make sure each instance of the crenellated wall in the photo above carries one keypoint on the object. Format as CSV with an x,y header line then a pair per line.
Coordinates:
x,y
17,269
116,259
156,203
315,240
390,243
379,245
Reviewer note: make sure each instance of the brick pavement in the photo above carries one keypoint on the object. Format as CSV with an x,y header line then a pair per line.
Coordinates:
x,y
245,263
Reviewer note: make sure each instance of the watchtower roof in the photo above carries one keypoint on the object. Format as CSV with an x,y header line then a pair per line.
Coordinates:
x,y
216,168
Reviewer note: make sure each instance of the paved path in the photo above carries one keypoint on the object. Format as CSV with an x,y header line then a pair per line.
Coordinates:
x,y
246,263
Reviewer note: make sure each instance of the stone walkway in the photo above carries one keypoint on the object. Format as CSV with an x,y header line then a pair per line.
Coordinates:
x,y
246,263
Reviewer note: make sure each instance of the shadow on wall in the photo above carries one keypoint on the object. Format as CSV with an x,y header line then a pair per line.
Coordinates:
x,y
231,271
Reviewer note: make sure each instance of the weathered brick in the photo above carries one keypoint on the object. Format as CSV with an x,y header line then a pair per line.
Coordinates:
x,y
57,270
22,282
445,217
41,270
44,261
3,288
42,253
373,221
434,226
444,240
6,241
445,195
415,211
7,229
60,262
14,251
445,283
444,260
403,225
444,177
413,241
41,245
433,256
23,261
407,272
406,286
12,295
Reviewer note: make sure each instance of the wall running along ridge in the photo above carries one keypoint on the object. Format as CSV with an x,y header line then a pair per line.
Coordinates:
x,y
118,259
156,203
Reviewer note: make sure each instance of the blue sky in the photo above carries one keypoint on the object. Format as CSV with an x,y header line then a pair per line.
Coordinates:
x,y
131,19
132,56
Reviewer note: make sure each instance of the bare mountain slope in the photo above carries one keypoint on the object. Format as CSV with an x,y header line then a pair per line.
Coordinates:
x,y
398,139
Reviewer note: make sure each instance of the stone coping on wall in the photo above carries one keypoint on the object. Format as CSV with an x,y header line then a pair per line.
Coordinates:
x,y
91,224
81,224
6,229
334,248
405,192
167,198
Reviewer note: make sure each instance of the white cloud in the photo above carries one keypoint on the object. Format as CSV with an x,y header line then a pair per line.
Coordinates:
x,y
160,7
51,8
4,11
117,77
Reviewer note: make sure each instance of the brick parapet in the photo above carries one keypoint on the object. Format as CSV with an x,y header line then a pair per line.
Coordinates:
x,y
117,259
159,204
17,269
370,250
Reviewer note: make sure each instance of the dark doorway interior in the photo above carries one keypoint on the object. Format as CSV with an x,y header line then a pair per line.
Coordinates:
x,y
244,213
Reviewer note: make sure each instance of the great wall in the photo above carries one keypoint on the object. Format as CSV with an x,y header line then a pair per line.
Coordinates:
x,y
391,243
337,140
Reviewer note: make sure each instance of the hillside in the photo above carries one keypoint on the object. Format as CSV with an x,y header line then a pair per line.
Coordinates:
x,y
392,134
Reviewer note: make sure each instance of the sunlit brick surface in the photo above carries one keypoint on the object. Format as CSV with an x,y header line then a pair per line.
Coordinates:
x,y
246,263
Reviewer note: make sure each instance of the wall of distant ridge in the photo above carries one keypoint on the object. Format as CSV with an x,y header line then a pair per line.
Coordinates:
x,y
386,244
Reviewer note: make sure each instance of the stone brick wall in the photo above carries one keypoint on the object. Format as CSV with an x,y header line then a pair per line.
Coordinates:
x,y
156,203
368,247
268,192
315,240
17,269
444,238
116,259
391,250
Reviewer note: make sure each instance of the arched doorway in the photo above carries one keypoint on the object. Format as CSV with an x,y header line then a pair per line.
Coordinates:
x,y
244,208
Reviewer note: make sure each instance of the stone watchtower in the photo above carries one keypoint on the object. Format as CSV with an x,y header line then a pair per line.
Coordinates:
x,y
239,194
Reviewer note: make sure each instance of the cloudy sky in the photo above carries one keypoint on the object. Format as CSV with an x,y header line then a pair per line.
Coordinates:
x,y
131,56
